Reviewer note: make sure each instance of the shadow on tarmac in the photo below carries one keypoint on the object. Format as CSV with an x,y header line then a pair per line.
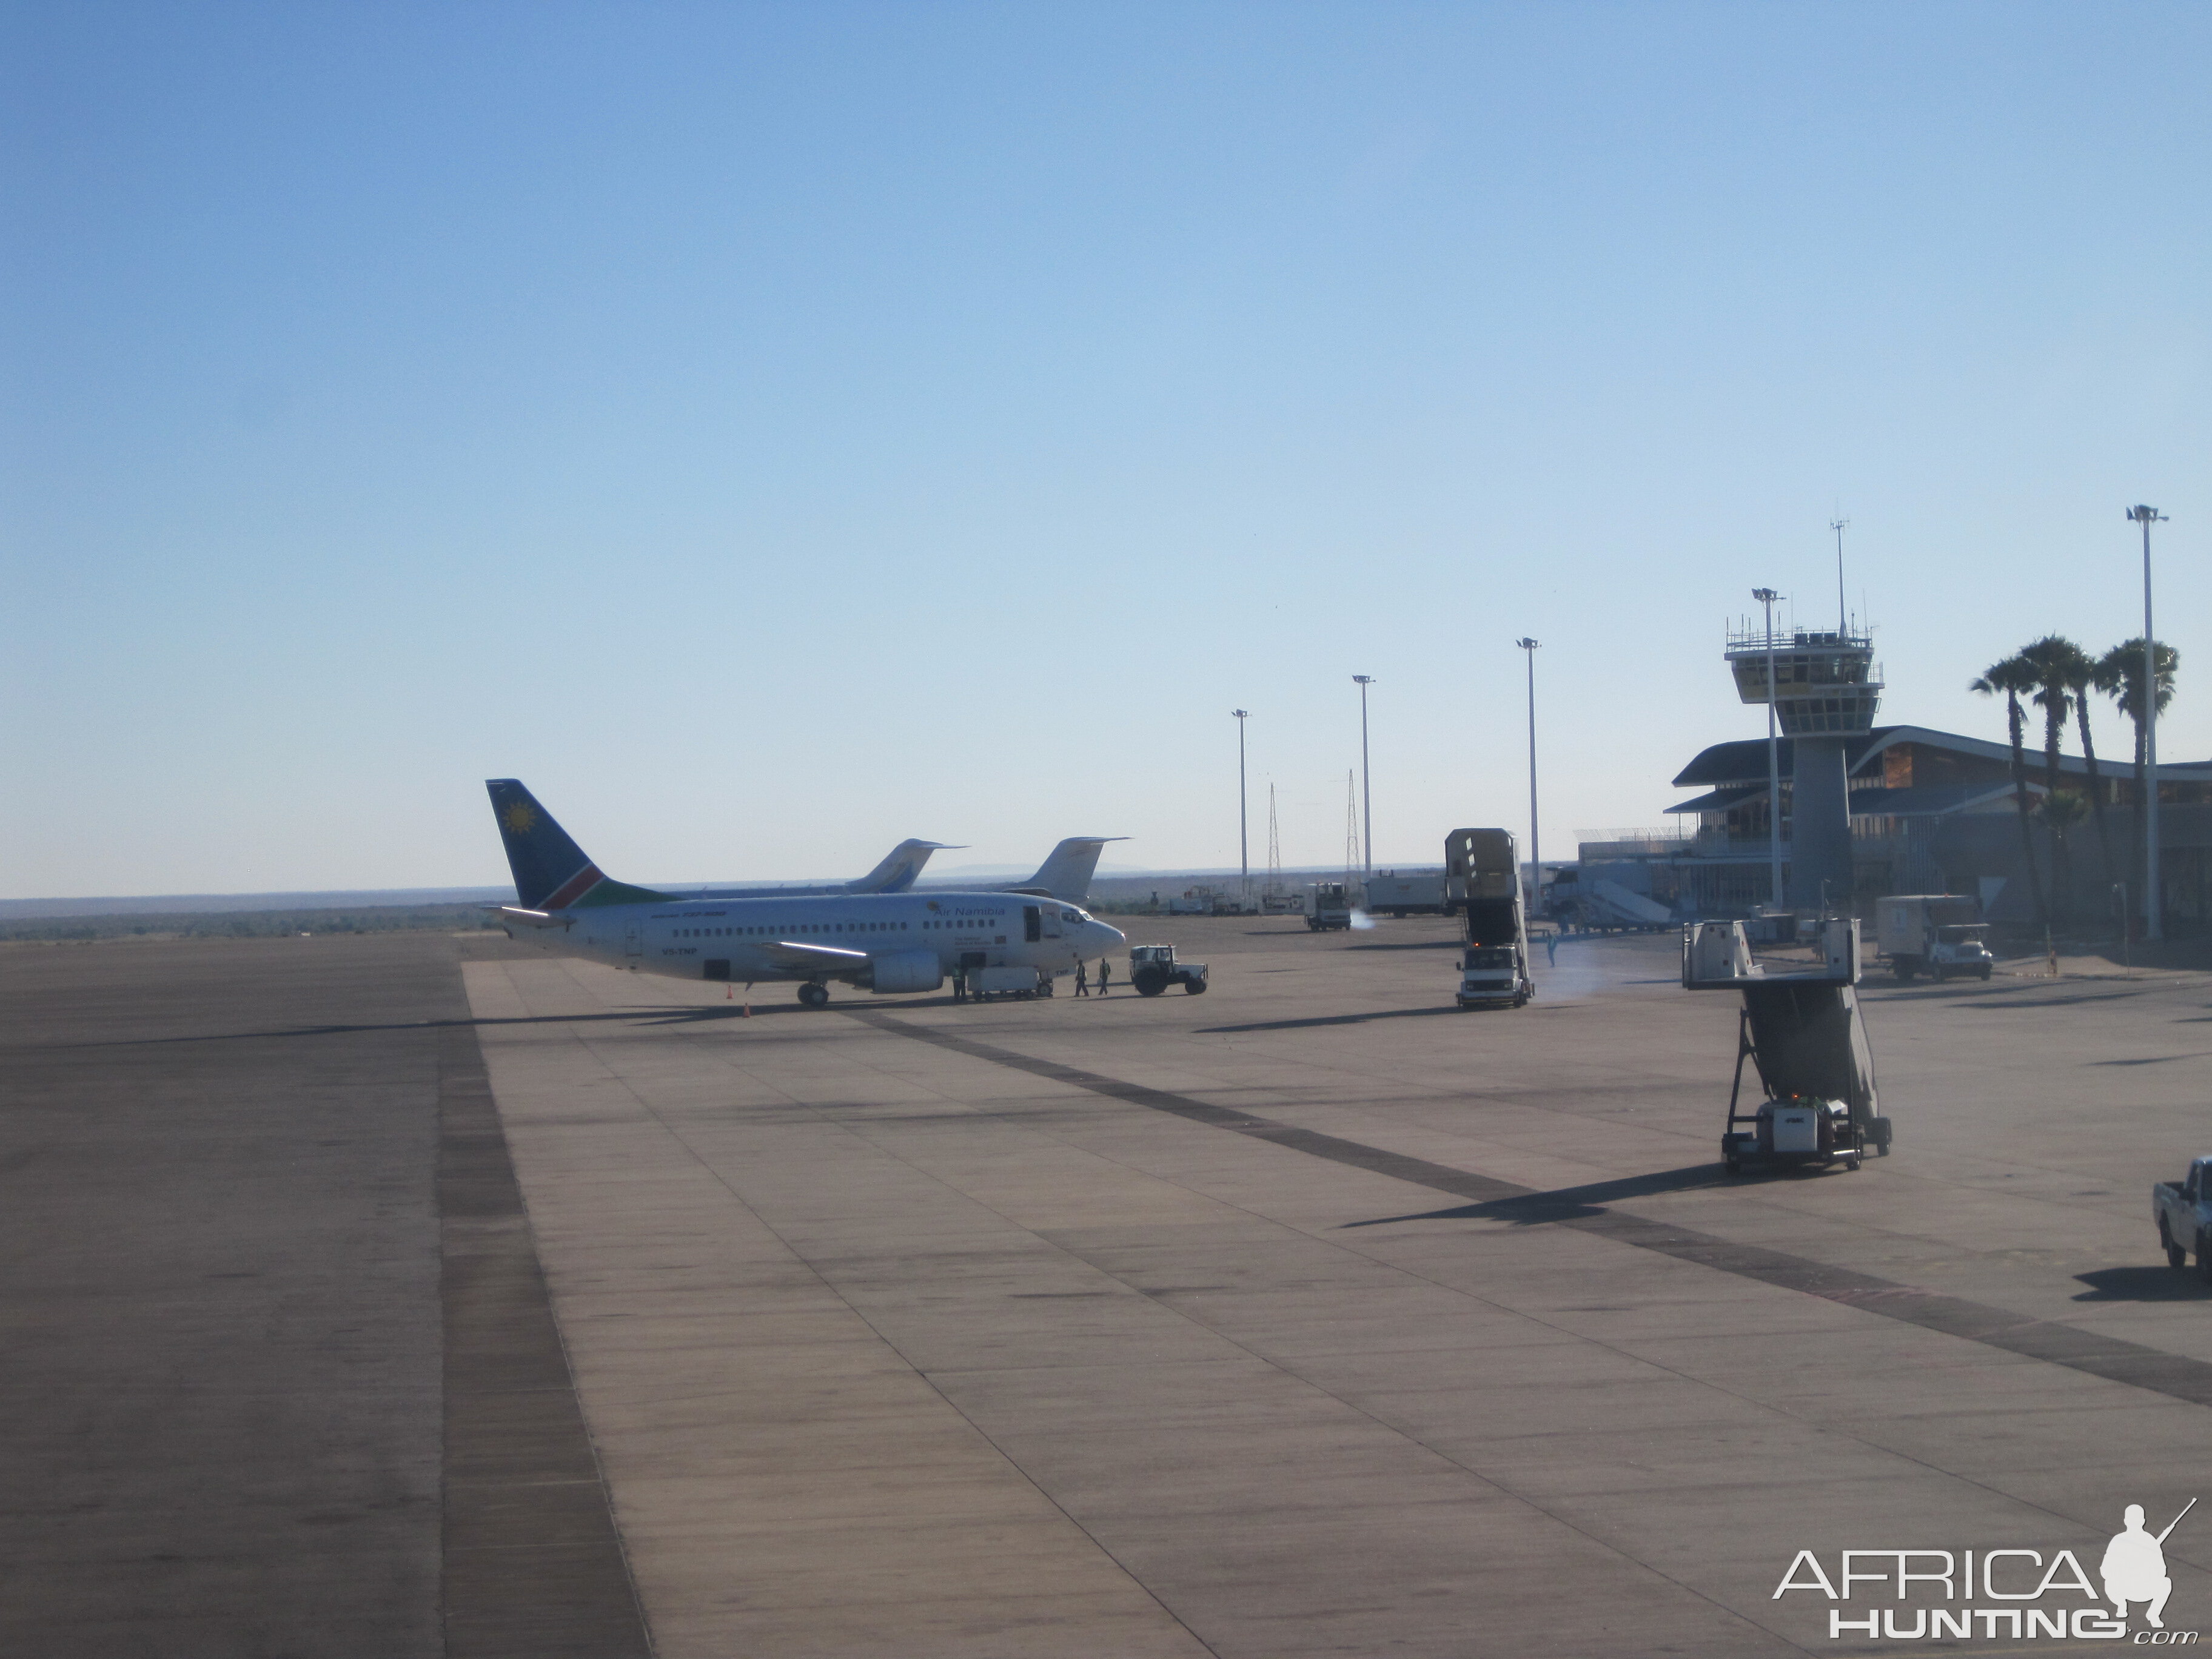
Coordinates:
x,y
664,1016
2143,1285
1325,1019
1569,1202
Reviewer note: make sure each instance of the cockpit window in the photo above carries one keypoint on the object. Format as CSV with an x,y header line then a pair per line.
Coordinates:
x,y
1074,915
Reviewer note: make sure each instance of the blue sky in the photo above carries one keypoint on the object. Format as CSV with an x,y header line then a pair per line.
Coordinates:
x,y
773,430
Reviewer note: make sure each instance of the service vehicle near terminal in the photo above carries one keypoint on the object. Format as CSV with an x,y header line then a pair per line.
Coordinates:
x,y
1939,934
1482,886
1153,968
2183,1210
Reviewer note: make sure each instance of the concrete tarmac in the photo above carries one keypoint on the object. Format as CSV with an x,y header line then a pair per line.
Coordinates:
x,y
1310,1315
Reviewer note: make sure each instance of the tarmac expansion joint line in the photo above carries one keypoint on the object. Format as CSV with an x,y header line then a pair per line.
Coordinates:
x,y
2110,1358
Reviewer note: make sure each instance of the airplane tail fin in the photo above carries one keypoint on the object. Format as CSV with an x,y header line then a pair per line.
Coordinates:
x,y
550,871
1066,871
901,865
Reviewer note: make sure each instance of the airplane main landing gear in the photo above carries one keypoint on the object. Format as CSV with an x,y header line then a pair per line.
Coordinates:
x,y
814,996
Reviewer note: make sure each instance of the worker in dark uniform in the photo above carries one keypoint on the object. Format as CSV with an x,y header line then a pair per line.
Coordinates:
x,y
1082,983
960,985
1105,973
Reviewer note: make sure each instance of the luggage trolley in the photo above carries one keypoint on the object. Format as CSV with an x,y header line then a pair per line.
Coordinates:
x,y
1808,1047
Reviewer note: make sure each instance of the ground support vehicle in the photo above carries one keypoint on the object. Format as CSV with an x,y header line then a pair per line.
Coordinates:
x,y
2183,1210
1282,904
1482,886
1940,934
1419,893
1329,905
985,984
1153,968
1493,976
1802,1034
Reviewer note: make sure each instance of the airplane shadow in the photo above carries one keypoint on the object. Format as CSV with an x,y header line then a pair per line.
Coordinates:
x,y
1323,1019
661,1015
2143,1285
1566,1203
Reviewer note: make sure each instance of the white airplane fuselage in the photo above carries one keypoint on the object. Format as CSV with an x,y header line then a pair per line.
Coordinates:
x,y
753,940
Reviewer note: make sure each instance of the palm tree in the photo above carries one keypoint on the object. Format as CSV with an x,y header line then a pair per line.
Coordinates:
x,y
2012,678
2081,674
2057,664
2119,675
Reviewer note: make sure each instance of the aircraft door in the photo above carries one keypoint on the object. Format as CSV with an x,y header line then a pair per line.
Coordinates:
x,y
1051,922
633,938
1032,923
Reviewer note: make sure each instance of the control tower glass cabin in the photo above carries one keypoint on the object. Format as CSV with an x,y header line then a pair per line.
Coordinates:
x,y
1826,690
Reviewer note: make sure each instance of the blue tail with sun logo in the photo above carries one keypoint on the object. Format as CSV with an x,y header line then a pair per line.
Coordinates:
x,y
550,871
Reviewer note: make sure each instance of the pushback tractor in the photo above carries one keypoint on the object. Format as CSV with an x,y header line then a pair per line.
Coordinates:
x,y
1801,1031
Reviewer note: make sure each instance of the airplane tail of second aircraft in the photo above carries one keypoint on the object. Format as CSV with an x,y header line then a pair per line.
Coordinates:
x,y
550,871
897,873
1067,869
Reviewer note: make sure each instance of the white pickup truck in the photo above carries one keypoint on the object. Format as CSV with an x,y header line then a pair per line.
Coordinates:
x,y
2183,1210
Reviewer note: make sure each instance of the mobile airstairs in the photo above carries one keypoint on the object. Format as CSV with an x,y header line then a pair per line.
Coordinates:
x,y
1801,1030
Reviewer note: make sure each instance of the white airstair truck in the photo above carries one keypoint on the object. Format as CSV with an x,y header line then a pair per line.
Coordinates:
x,y
1801,1032
1482,884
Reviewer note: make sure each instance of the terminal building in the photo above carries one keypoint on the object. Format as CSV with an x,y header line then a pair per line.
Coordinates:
x,y
1868,810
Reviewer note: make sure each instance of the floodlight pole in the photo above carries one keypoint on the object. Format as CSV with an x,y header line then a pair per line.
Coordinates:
x,y
1767,596
1535,847
1243,842
2154,890
1366,798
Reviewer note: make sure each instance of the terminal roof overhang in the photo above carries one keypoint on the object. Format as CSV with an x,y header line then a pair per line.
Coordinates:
x,y
1743,762
1871,799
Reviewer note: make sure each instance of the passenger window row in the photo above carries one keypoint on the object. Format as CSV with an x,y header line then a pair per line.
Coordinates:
x,y
779,932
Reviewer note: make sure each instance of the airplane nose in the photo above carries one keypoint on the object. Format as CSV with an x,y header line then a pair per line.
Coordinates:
x,y
1113,937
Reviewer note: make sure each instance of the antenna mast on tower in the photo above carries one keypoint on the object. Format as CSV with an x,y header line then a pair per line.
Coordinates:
x,y
1842,610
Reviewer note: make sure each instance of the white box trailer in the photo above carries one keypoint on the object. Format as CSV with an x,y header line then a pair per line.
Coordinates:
x,y
1420,894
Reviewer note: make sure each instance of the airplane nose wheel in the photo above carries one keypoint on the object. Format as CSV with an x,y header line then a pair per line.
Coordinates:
x,y
814,996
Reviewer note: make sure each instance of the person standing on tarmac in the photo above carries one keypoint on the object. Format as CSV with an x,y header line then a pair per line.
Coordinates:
x,y
960,985
1105,971
1082,984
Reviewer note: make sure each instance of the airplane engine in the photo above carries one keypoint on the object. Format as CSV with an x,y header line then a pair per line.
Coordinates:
x,y
906,970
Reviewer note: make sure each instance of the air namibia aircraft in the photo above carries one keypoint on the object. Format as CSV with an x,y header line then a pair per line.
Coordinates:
x,y
881,941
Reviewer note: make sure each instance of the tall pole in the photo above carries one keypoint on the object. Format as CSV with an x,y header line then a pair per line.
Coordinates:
x,y
1535,847
2154,894
1243,842
1366,798
1767,596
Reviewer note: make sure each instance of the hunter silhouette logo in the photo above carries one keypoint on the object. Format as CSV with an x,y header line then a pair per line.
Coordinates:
x,y
2134,1567
2018,1594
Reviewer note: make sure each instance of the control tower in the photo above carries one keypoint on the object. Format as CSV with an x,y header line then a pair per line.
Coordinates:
x,y
1826,689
